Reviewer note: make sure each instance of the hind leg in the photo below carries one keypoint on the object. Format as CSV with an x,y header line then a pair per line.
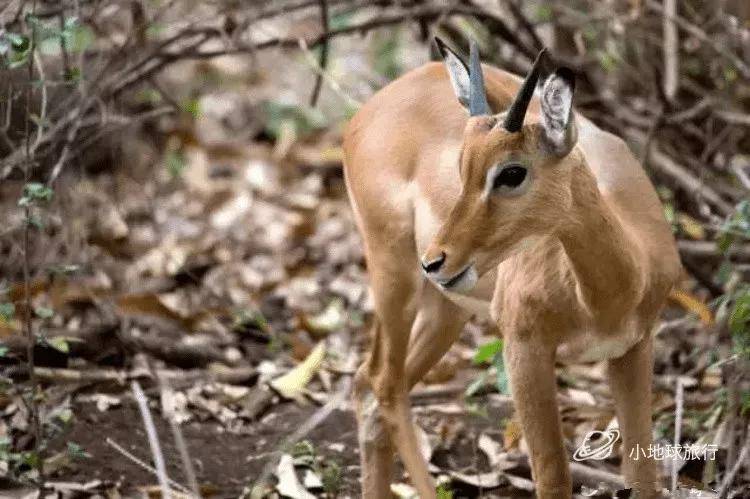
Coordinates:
x,y
438,324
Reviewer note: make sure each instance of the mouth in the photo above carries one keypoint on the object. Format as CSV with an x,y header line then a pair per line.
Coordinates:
x,y
463,281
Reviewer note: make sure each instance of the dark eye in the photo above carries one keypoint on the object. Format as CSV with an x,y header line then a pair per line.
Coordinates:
x,y
510,176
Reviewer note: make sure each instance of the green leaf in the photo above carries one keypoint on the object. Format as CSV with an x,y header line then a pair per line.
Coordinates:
x,y
304,120
66,269
65,415
332,478
18,42
7,311
543,13
501,376
35,192
245,320
59,343
175,163
476,385
444,493
44,312
3,350
487,352
388,59
192,107
740,315
77,452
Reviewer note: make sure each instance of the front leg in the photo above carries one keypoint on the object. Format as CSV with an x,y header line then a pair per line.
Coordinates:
x,y
630,382
531,368
386,411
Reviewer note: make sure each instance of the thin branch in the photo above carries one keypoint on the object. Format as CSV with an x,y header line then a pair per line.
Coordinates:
x,y
671,50
36,422
680,175
703,37
187,464
521,19
139,462
69,138
153,439
42,115
323,62
680,402
427,13
729,478
350,101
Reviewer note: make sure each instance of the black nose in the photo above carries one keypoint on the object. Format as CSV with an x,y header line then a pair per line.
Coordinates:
x,y
434,265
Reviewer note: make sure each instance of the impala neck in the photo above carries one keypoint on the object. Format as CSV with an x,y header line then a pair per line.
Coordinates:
x,y
604,258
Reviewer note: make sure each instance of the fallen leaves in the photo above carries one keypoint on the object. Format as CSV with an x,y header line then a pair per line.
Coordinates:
x,y
292,384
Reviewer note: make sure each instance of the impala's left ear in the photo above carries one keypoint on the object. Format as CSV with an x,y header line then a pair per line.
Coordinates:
x,y
558,132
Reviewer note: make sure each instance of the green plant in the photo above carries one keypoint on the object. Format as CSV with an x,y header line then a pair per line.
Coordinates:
x,y
490,354
332,477
736,301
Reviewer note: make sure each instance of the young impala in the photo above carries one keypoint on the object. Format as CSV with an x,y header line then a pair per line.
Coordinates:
x,y
520,210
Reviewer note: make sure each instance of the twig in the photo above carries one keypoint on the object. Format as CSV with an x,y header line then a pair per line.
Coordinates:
x,y
655,125
350,101
734,117
42,115
671,46
139,462
69,138
709,249
179,440
427,13
729,478
525,24
680,175
692,112
581,474
323,62
223,374
74,376
679,401
153,438
740,172
702,36
36,422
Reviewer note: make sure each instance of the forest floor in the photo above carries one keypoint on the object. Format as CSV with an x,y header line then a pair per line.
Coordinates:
x,y
217,254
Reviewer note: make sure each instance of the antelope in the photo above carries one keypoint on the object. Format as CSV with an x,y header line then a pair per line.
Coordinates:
x,y
476,193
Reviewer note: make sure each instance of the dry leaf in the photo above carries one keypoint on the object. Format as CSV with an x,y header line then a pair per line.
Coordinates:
x,y
692,304
512,435
289,485
328,321
404,491
291,384
489,480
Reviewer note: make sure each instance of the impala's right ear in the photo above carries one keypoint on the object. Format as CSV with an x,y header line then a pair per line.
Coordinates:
x,y
458,72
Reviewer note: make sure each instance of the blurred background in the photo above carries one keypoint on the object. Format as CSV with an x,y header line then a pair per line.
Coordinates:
x,y
183,297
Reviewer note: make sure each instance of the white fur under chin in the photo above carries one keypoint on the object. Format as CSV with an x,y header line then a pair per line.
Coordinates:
x,y
467,282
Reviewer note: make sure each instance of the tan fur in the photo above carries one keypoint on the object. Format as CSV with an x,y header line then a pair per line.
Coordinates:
x,y
578,267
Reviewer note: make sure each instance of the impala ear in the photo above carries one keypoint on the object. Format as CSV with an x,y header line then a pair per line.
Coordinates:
x,y
559,133
458,72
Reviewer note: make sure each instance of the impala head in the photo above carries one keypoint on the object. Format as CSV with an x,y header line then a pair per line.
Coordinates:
x,y
515,173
